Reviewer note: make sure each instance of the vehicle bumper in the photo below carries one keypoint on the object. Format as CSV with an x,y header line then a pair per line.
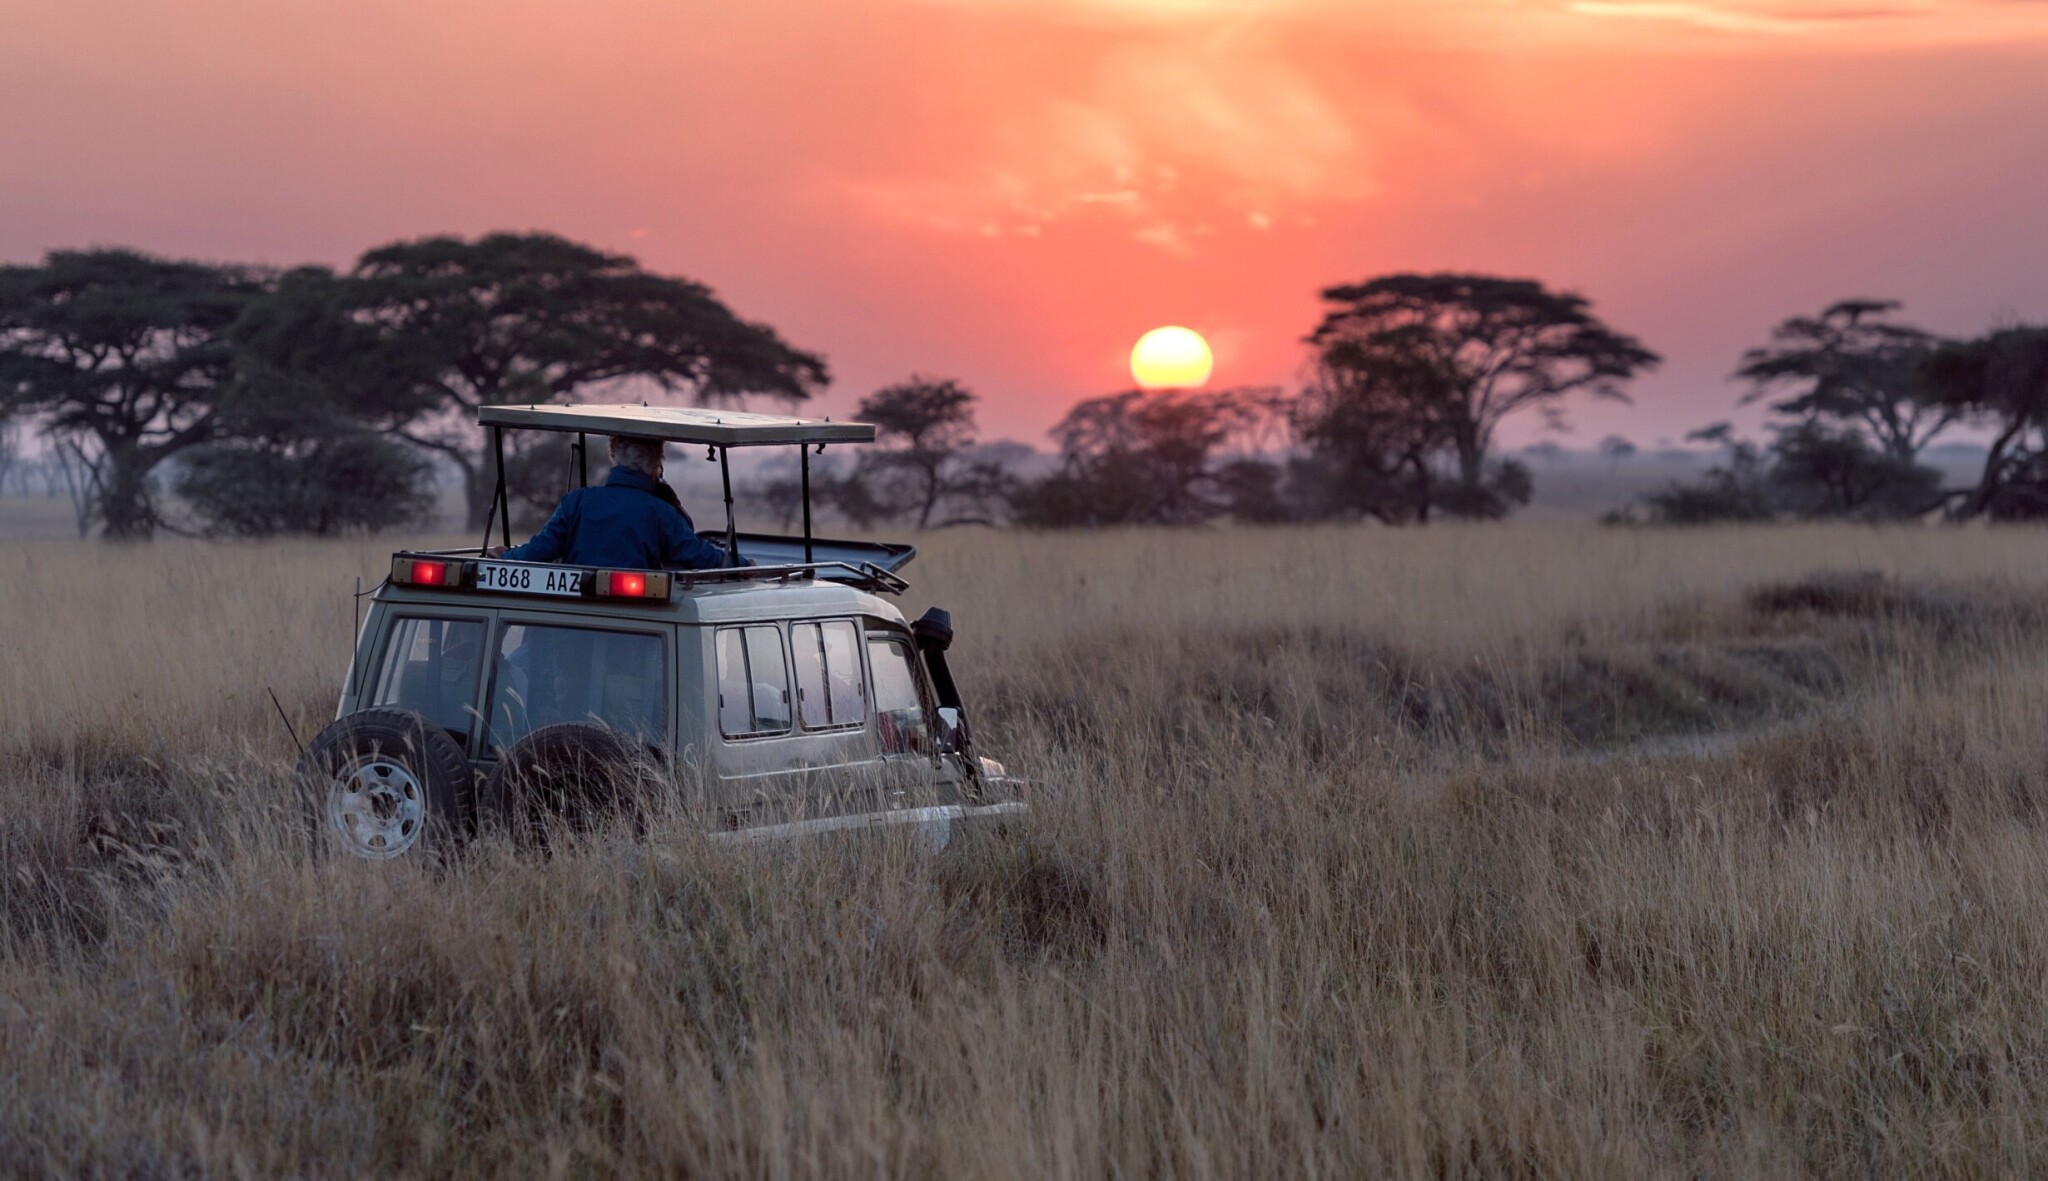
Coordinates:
x,y
937,823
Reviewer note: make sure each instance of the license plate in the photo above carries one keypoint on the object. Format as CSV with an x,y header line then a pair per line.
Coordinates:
x,y
529,580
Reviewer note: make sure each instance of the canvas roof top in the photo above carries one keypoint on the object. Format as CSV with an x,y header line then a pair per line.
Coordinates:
x,y
679,424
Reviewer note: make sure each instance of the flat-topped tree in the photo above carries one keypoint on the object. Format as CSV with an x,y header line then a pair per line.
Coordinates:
x,y
526,318
2000,381
1853,364
1466,351
928,424
125,358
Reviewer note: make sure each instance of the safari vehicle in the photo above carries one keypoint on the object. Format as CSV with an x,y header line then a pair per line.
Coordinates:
x,y
790,694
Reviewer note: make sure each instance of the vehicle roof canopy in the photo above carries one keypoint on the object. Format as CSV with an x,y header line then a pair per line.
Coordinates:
x,y
678,424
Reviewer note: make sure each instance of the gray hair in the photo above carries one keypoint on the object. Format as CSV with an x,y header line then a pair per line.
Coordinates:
x,y
642,455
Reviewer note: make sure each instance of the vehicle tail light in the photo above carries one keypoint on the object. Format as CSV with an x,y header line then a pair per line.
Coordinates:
x,y
425,572
632,584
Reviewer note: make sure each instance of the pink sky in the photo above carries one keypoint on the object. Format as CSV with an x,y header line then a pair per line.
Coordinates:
x,y
1011,192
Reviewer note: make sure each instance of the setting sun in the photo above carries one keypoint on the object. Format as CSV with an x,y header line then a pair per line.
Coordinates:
x,y
1171,358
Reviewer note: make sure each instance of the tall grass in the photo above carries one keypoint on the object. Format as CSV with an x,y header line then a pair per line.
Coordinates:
x,y
1469,852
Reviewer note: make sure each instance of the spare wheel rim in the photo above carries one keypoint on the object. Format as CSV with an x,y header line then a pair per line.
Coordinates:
x,y
376,806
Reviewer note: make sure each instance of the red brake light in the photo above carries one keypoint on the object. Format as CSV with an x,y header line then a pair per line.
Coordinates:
x,y
630,584
425,572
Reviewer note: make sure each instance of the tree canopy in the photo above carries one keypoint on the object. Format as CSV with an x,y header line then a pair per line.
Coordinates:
x,y
1455,354
535,318
126,359
1145,457
924,426
2001,378
1853,364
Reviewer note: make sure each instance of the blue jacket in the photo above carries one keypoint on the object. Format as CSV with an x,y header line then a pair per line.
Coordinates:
x,y
619,523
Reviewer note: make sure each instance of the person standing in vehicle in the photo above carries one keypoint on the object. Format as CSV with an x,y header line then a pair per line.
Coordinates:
x,y
623,522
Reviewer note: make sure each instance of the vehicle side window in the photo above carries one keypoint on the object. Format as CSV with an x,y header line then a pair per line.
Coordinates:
x,y
547,675
753,681
828,679
842,664
430,666
899,711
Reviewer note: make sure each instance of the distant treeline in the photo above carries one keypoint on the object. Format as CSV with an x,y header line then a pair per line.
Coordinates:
x,y
314,401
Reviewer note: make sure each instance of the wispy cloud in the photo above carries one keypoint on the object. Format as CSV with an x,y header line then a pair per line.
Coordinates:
x,y
1703,16
1231,115
1159,132
1931,20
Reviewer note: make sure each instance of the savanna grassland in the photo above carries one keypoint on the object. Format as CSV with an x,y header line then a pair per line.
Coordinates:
x,y
1469,851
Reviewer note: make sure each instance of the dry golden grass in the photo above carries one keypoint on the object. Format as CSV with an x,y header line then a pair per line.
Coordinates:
x,y
1460,852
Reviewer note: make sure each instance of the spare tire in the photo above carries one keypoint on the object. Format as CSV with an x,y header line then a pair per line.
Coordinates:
x,y
571,773
382,782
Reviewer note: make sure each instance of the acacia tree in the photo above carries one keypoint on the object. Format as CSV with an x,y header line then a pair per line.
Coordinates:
x,y
1367,433
297,448
536,318
1853,364
924,426
125,358
1145,458
1465,351
2002,379
1616,449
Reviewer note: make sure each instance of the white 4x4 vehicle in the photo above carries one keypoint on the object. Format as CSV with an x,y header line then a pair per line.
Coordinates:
x,y
792,695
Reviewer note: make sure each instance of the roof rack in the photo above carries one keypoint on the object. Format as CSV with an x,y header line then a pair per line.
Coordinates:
x,y
721,430
859,575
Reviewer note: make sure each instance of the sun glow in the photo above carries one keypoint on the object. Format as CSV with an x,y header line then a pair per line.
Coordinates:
x,y
1171,358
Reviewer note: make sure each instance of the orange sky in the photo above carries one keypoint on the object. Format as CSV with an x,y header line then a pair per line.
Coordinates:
x,y
1011,192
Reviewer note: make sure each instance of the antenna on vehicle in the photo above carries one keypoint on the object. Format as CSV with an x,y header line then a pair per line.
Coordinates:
x,y
287,721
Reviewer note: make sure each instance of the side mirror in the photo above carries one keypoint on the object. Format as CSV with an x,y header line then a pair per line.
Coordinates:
x,y
951,730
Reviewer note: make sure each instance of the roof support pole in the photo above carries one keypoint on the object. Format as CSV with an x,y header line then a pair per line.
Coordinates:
x,y
504,499
582,460
803,451
732,533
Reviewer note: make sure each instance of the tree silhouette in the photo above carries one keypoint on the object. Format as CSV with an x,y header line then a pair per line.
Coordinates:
x,y
535,318
1822,471
322,485
923,427
1463,352
1144,457
2002,378
306,365
1617,448
1852,364
1370,431
125,357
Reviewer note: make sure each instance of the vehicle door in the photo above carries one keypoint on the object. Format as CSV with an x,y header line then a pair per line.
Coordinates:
x,y
791,705
902,710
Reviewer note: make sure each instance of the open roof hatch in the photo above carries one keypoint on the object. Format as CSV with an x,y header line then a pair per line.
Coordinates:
x,y
720,430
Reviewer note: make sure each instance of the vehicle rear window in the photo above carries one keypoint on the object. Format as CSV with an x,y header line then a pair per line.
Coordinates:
x,y
828,677
430,666
899,711
546,675
753,681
